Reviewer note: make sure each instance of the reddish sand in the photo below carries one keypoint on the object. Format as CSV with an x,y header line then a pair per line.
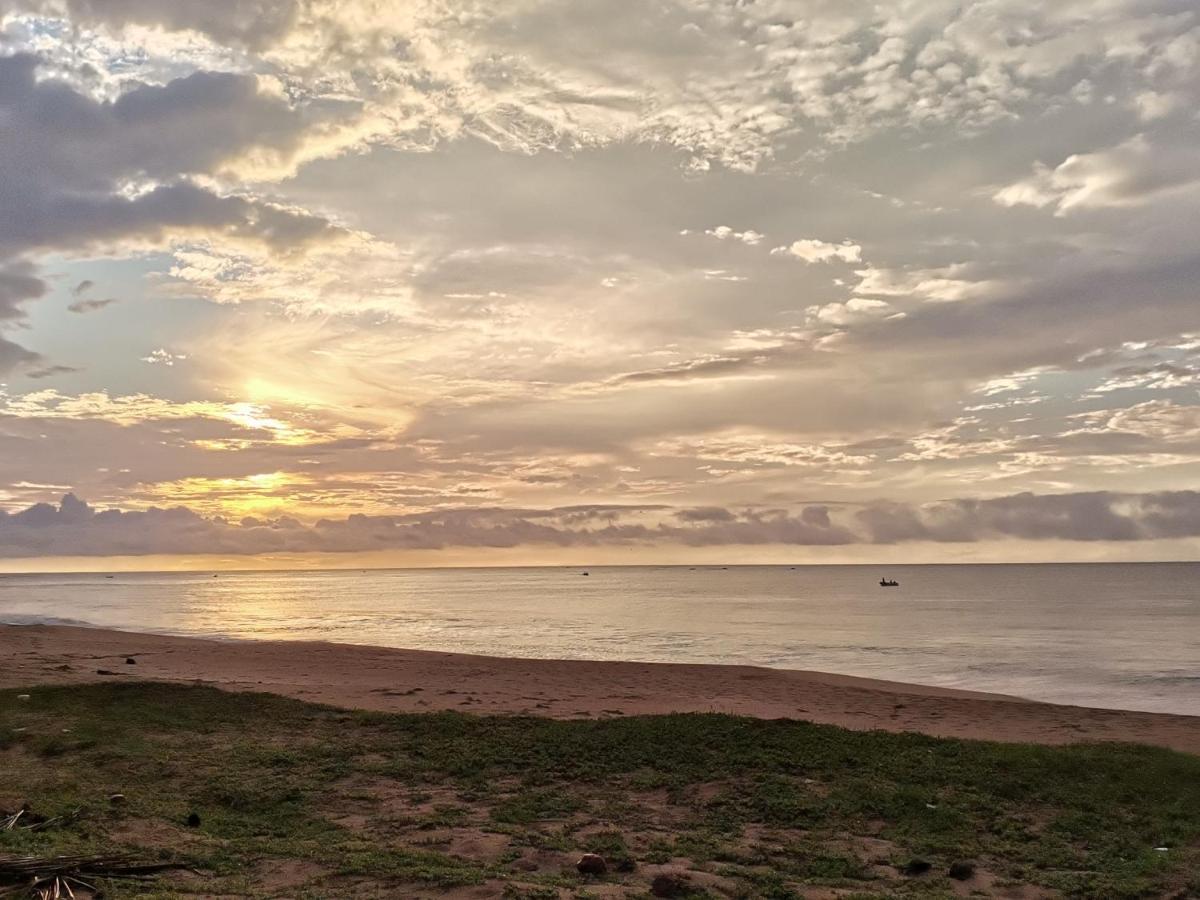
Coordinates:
x,y
419,681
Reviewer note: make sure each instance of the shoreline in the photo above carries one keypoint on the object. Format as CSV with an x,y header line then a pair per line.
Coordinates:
x,y
393,680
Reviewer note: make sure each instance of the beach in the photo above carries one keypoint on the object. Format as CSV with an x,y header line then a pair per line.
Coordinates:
x,y
391,680
258,768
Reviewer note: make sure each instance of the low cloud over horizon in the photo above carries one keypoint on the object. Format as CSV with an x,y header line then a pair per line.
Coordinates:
x,y
315,260
74,528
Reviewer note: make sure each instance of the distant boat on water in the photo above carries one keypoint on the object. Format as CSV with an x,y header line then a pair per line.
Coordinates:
x,y
885,582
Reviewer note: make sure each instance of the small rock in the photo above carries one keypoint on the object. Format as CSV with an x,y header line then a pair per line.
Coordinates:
x,y
962,870
130,661
104,672
626,864
591,864
917,867
524,864
193,820
670,884
116,799
23,697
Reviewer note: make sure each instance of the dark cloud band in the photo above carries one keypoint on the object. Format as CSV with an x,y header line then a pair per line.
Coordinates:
x,y
73,528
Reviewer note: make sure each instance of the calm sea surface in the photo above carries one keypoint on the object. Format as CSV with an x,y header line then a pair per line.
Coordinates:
x,y
1125,636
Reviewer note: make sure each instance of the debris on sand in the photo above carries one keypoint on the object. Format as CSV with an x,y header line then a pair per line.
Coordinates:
x,y
58,876
25,819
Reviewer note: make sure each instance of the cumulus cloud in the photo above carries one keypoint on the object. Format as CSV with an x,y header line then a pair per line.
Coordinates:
x,y
856,309
72,527
724,233
161,357
811,250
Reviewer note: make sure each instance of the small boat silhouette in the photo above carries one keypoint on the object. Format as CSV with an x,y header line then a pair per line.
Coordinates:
x,y
884,582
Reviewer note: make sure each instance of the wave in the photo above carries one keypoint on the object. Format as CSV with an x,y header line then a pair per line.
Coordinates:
x,y
22,619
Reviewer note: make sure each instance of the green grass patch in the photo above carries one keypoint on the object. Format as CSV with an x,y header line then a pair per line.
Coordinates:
x,y
443,799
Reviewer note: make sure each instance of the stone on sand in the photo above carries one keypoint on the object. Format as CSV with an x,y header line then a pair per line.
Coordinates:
x,y
591,864
670,884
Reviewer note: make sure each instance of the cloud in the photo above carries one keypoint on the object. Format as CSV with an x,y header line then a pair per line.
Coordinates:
x,y
161,357
422,254
1162,420
706,367
82,174
50,371
76,171
18,285
815,251
1099,516
856,309
14,355
87,306
725,85
724,233
74,528
1130,174
254,23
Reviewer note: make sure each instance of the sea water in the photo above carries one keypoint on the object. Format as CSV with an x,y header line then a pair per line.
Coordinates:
x,y
1113,635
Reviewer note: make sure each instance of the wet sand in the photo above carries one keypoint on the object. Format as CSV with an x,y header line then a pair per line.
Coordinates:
x,y
391,680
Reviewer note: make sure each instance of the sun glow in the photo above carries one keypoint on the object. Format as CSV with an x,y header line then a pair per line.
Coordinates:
x,y
262,494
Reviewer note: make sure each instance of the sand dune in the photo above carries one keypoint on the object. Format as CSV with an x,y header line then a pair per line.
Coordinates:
x,y
419,681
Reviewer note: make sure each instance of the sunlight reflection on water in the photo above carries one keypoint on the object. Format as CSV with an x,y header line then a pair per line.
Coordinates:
x,y
1102,635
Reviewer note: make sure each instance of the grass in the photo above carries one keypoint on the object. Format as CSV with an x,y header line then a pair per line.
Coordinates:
x,y
302,800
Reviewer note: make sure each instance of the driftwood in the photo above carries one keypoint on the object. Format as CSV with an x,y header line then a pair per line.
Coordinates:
x,y
57,877
26,820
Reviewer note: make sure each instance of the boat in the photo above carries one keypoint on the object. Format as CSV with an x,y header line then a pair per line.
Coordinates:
x,y
885,582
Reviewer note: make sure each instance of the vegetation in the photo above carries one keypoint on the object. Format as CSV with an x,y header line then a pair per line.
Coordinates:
x,y
290,799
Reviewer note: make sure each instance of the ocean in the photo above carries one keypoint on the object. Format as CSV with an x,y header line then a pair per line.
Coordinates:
x,y
1113,635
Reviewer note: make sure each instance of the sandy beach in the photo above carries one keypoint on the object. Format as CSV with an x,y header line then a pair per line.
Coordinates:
x,y
392,680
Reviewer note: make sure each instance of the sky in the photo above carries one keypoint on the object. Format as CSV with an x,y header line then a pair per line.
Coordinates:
x,y
391,282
